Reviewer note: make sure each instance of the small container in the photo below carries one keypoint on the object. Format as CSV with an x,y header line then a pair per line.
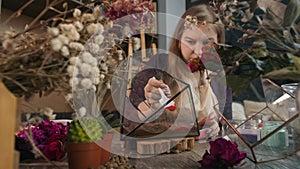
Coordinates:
x,y
278,139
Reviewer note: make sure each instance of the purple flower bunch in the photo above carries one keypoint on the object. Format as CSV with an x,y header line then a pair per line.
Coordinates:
x,y
121,8
134,13
223,154
48,136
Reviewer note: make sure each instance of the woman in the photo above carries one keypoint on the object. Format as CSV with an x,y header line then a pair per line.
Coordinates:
x,y
198,29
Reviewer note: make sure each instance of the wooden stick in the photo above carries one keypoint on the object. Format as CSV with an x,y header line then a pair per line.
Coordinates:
x,y
130,54
143,45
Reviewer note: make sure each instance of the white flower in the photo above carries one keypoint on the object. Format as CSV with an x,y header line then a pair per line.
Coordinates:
x,y
85,69
109,25
87,58
73,60
99,39
93,62
85,54
102,76
65,40
78,25
70,70
74,82
104,67
108,85
136,43
82,111
94,88
77,13
53,31
95,71
86,83
96,81
65,51
48,112
100,29
93,48
87,17
66,27
120,56
77,46
56,44
73,35
69,97
97,12
95,28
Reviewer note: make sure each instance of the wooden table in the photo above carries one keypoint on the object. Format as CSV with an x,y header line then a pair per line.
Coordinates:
x,y
184,160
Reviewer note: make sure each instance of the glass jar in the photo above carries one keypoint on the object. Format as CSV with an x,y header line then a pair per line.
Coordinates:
x,y
278,139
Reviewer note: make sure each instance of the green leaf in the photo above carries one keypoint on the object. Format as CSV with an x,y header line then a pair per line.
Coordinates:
x,y
296,61
287,73
258,63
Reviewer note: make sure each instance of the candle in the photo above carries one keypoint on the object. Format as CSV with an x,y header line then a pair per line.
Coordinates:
x,y
278,139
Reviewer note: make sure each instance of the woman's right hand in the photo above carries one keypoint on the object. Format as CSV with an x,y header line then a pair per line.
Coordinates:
x,y
152,93
153,96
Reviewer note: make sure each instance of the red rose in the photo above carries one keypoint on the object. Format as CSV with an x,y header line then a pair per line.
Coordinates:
x,y
209,59
195,65
54,151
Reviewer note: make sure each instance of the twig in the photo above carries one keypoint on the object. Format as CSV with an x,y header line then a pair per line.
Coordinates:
x,y
53,3
17,13
15,82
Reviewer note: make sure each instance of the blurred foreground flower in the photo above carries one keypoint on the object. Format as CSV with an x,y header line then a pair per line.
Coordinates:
x,y
223,154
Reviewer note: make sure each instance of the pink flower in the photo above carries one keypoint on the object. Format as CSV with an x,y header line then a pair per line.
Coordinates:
x,y
223,154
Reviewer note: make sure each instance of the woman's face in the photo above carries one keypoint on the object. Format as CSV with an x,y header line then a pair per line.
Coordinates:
x,y
192,41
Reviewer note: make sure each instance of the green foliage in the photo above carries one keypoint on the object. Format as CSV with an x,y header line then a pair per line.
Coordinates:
x,y
84,130
243,66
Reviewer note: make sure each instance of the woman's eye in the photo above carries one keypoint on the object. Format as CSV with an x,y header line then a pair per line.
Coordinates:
x,y
190,42
208,41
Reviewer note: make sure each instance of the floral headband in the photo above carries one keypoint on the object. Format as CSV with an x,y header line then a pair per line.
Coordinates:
x,y
192,22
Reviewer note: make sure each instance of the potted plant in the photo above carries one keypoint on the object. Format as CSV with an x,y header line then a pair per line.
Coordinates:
x,y
86,146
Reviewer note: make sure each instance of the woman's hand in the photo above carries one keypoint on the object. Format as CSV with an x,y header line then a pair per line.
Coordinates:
x,y
210,127
153,97
152,93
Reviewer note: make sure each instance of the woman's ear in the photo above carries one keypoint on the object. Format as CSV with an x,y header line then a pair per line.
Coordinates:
x,y
179,45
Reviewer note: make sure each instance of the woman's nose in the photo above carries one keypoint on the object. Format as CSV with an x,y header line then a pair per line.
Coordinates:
x,y
198,50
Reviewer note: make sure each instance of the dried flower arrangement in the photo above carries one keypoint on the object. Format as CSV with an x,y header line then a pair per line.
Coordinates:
x,y
72,52
77,49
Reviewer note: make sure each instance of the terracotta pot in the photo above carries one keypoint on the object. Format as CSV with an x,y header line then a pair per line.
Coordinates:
x,y
83,155
89,155
105,145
